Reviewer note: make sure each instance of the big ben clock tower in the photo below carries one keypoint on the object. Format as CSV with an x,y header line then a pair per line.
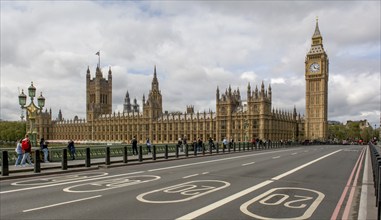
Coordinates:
x,y
316,74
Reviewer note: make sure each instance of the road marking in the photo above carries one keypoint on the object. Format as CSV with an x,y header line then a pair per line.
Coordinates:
x,y
183,192
65,183
343,195
245,164
276,157
294,153
217,160
226,200
62,203
185,177
281,201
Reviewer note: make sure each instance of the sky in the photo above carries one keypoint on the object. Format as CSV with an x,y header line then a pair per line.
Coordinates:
x,y
196,46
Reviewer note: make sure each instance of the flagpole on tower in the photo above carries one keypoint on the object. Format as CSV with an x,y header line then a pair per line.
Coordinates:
x,y
99,58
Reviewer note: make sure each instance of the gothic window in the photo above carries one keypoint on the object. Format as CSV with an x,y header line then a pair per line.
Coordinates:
x,y
223,124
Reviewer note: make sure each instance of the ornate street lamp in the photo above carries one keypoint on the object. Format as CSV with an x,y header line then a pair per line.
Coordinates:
x,y
31,111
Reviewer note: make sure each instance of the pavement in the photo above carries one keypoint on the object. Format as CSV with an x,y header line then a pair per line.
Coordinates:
x,y
367,207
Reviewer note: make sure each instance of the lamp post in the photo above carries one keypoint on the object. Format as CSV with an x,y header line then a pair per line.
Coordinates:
x,y
31,111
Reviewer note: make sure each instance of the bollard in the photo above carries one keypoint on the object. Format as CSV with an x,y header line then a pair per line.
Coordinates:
x,y
166,152
140,153
239,146
195,150
125,153
218,148
107,159
223,148
88,160
230,146
210,149
252,146
177,151
154,152
186,150
234,147
5,164
37,162
203,148
64,159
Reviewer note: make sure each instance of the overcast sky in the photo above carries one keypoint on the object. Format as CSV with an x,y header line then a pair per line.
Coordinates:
x,y
196,46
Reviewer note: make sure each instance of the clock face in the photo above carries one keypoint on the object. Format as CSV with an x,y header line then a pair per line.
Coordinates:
x,y
314,67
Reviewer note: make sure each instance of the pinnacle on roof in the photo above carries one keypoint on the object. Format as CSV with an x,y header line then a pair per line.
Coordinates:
x,y
317,31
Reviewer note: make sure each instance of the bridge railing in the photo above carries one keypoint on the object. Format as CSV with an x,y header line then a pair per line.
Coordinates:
x,y
86,154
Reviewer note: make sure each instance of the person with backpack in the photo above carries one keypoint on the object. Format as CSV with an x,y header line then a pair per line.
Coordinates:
x,y
27,148
148,146
19,152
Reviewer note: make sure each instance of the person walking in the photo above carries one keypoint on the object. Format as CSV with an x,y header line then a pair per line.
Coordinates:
x,y
211,143
27,148
71,149
184,142
148,143
19,152
225,142
134,143
44,149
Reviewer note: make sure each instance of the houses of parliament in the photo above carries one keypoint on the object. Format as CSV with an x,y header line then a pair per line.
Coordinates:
x,y
234,118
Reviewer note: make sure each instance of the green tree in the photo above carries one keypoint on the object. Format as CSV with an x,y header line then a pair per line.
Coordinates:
x,y
12,130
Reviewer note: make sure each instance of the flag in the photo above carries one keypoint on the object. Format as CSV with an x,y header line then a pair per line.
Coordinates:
x,y
98,53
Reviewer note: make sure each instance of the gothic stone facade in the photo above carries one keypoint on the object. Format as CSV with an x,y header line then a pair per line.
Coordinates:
x,y
241,120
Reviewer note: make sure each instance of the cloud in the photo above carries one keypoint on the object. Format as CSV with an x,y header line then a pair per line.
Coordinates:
x,y
196,47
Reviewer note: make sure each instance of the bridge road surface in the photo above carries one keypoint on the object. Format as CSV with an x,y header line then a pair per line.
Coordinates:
x,y
302,182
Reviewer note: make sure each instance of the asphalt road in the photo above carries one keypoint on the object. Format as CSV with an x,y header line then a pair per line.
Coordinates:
x,y
312,182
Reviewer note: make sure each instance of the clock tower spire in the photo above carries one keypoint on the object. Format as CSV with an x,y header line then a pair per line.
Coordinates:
x,y
316,75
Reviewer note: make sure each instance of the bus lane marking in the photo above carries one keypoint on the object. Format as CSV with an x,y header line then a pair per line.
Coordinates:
x,y
182,192
111,184
294,203
246,164
58,179
235,196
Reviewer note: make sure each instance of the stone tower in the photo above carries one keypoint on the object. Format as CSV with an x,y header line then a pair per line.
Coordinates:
x,y
98,94
316,75
153,107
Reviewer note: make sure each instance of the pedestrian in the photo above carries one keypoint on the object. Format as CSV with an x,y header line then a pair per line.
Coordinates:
x,y
179,143
148,143
71,149
19,152
225,142
184,142
44,149
134,143
211,143
27,148
199,144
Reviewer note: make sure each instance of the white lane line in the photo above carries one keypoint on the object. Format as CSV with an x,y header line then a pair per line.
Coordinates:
x,y
69,182
185,177
62,203
222,202
302,166
294,153
204,173
245,164
212,161
276,157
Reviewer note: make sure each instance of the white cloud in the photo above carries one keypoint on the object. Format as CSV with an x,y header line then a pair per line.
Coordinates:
x,y
196,46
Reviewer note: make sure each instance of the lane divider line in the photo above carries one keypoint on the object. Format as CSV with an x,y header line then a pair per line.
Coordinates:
x,y
237,195
185,177
245,164
62,203
341,200
276,157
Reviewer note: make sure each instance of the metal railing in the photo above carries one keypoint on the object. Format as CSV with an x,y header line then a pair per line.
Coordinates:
x,y
376,168
164,151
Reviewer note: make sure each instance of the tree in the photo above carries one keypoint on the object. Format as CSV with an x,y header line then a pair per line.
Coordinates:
x,y
12,130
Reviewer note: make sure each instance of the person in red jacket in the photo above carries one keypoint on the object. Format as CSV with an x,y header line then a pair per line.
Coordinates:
x,y
27,148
